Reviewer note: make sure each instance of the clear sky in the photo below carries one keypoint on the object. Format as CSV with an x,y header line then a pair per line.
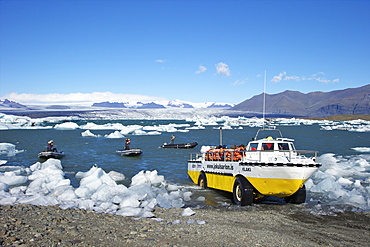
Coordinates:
x,y
197,51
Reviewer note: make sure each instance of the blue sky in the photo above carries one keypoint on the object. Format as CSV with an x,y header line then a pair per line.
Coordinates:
x,y
191,50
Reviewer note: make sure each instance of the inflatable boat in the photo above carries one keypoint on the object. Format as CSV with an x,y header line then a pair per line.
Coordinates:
x,y
181,145
129,152
50,154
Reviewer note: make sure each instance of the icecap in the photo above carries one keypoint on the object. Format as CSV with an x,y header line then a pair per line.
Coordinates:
x,y
342,181
44,184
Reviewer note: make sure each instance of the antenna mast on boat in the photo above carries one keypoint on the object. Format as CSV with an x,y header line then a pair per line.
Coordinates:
x,y
221,136
264,100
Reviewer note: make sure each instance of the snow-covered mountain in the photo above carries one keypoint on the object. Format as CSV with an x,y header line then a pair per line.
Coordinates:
x,y
162,104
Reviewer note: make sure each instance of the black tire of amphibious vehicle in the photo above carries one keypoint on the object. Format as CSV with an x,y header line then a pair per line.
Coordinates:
x,y
242,192
202,181
297,198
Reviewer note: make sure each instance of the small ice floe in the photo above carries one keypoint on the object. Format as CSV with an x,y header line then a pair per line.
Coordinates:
x,y
66,126
88,133
8,149
187,212
190,221
44,184
115,134
362,149
341,181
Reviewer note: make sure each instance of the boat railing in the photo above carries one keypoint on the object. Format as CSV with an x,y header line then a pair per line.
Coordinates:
x,y
231,155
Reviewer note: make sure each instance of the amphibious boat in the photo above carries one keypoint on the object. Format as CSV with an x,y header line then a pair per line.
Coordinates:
x,y
265,167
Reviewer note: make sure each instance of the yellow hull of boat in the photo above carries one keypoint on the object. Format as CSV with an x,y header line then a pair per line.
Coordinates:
x,y
266,186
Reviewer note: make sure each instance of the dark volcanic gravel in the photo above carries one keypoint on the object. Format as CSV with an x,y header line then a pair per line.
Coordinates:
x,y
28,225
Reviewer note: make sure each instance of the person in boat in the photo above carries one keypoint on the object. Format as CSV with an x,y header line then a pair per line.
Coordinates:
x,y
172,139
127,144
50,147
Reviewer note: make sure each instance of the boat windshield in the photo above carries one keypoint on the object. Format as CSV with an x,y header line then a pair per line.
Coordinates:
x,y
253,147
283,146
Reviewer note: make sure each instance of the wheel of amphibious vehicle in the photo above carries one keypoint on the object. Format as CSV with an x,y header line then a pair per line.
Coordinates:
x,y
242,192
202,181
297,198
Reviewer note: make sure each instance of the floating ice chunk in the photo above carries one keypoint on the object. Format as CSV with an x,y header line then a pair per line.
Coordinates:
x,y
142,191
357,184
67,195
190,221
115,134
129,211
164,201
86,174
4,186
176,222
153,133
8,200
187,212
201,199
130,201
2,162
201,222
67,126
344,181
18,190
38,199
88,133
172,187
328,184
116,176
138,132
108,193
86,204
149,205
11,179
83,192
147,177
8,149
356,198
146,214
362,149
187,195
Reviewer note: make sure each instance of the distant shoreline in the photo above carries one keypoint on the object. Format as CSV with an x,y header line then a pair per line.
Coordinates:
x,y
341,117
78,112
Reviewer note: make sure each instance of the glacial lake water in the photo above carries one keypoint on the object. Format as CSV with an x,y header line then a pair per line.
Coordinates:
x,y
84,152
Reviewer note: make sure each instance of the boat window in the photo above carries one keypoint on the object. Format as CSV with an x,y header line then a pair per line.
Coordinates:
x,y
292,146
253,146
268,146
283,146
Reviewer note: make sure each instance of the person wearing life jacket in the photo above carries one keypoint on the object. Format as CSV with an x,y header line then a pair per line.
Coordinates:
x,y
127,143
172,139
50,147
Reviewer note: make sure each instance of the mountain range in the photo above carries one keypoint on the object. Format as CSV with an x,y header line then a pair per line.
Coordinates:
x,y
161,105
351,101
